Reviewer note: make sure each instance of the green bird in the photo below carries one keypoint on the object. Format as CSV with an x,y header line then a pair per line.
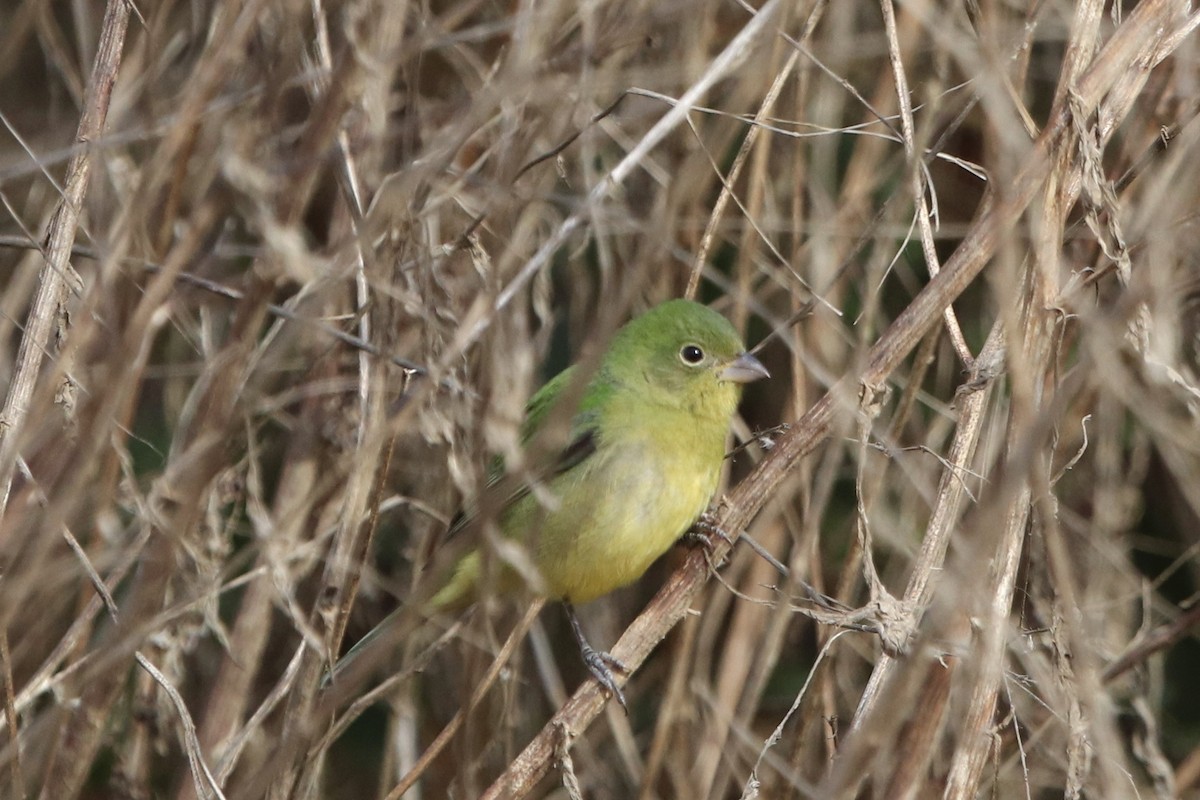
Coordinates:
x,y
642,463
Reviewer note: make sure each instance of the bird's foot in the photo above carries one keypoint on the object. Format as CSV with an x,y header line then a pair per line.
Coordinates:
x,y
704,533
601,665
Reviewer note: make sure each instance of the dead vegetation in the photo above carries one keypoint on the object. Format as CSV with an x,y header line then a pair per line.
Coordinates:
x,y
279,277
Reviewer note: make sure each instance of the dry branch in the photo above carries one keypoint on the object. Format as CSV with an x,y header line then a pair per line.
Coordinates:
x,y
58,279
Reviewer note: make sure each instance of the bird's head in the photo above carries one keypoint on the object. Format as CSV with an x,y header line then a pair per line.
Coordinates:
x,y
686,355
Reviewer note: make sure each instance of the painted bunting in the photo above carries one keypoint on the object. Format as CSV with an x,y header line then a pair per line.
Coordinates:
x,y
642,462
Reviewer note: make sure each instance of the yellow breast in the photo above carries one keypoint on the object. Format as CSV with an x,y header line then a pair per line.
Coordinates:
x,y
639,499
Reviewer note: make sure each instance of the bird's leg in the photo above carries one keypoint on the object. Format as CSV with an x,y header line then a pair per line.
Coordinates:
x,y
599,663
703,532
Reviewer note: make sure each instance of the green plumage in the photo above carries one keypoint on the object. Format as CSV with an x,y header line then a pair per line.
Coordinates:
x,y
647,443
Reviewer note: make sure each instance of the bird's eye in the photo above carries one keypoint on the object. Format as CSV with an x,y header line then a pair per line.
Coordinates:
x,y
691,354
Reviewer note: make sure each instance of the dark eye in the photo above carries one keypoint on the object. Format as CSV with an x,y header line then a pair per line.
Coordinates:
x,y
691,354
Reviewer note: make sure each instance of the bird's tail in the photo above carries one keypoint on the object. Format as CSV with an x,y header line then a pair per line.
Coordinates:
x,y
373,650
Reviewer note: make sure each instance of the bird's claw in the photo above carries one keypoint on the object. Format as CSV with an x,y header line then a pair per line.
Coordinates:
x,y
601,665
704,531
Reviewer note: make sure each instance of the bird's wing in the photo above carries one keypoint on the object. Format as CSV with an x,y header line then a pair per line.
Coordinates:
x,y
542,401
584,426
581,443
584,437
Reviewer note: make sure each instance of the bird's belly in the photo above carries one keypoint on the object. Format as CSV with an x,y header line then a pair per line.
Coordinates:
x,y
610,540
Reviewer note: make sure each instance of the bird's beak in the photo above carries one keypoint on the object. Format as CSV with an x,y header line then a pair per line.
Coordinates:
x,y
744,369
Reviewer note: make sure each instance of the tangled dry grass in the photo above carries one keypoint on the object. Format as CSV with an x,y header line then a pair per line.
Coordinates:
x,y
279,276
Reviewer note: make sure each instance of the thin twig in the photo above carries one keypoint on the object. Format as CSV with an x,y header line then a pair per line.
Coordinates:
x,y
58,279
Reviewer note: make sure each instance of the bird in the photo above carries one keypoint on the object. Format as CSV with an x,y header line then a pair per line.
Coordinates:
x,y
642,462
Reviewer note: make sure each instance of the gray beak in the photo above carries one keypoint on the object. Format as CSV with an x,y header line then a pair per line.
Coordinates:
x,y
743,369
